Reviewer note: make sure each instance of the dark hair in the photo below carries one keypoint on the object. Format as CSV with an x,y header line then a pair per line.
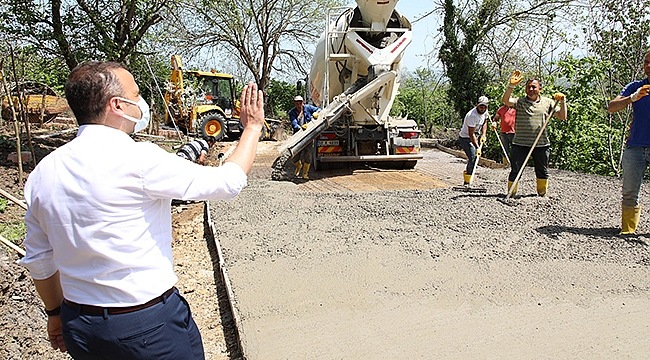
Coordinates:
x,y
210,139
89,88
534,79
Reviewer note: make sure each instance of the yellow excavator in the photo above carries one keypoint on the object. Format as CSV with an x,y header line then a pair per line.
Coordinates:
x,y
204,103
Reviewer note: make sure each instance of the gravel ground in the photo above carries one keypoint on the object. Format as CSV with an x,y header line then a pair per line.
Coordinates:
x,y
322,269
449,248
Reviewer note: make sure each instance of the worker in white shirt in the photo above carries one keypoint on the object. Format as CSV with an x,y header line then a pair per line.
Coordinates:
x,y
99,223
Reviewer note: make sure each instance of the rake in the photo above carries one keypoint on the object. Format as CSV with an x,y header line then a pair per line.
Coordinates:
x,y
467,187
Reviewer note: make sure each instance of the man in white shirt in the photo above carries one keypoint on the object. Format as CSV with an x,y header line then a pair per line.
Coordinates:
x,y
99,223
474,124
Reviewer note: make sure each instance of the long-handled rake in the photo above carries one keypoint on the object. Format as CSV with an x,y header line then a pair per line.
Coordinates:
x,y
511,191
502,147
467,187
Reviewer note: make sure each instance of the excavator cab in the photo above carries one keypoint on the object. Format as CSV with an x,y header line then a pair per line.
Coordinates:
x,y
202,102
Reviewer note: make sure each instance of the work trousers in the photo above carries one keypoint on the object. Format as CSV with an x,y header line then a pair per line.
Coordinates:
x,y
506,139
165,330
540,159
470,151
635,163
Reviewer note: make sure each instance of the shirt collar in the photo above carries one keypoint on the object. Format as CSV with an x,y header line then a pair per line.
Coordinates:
x,y
539,98
103,131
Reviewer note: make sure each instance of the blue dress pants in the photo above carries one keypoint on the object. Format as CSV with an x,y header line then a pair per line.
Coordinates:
x,y
165,330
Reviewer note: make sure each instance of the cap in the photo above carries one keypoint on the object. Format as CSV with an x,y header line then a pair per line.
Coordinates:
x,y
483,100
298,98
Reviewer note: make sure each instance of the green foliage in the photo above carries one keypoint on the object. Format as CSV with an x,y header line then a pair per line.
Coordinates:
x,y
31,65
3,204
423,98
14,231
621,35
152,86
583,142
279,98
79,30
459,54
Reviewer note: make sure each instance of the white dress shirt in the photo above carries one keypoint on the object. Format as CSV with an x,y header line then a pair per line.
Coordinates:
x,y
100,214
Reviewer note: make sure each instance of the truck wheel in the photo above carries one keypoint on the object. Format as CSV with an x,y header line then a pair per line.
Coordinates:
x,y
213,124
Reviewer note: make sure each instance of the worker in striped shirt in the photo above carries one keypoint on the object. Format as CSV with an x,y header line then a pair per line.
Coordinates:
x,y
197,150
532,111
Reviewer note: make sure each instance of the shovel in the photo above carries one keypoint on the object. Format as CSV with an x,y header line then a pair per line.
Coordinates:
x,y
530,152
468,188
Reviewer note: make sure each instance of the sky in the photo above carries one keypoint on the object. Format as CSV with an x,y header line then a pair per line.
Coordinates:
x,y
425,32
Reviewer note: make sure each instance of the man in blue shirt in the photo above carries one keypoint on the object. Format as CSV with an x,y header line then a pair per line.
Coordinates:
x,y
300,116
636,155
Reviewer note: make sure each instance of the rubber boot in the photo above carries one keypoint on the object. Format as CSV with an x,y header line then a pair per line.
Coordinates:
x,y
466,178
298,168
305,171
542,186
629,219
514,192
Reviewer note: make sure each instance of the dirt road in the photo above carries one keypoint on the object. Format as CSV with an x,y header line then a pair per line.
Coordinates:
x,y
379,265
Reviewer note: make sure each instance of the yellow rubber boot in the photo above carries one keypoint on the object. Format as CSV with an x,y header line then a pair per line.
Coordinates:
x,y
298,168
510,186
542,186
305,171
630,219
466,178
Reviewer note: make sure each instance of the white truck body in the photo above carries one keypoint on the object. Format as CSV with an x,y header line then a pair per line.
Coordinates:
x,y
354,79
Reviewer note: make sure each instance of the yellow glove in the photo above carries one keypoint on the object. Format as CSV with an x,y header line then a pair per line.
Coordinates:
x,y
640,92
482,139
304,126
315,115
478,151
493,125
515,79
559,97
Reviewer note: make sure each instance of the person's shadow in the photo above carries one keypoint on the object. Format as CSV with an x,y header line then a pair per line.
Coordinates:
x,y
554,231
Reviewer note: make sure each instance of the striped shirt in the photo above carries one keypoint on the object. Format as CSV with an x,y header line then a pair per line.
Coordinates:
x,y
192,150
530,119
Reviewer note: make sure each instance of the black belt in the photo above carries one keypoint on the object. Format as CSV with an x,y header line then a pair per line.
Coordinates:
x,y
99,310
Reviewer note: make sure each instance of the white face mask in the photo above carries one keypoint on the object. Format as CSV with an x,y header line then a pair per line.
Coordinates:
x,y
143,122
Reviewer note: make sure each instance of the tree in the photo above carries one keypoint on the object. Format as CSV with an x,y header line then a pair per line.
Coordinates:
x,y
279,96
466,26
423,97
579,142
81,30
264,35
619,36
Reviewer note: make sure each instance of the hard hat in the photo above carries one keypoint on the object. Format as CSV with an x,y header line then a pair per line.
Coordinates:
x,y
298,98
483,100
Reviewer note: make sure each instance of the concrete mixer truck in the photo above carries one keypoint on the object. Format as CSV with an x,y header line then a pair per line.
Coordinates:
x,y
354,79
